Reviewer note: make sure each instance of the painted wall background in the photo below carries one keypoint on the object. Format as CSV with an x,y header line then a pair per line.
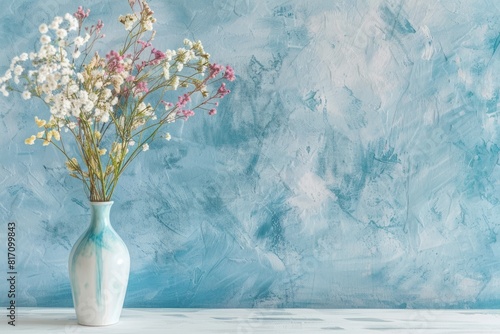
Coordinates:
x,y
353,165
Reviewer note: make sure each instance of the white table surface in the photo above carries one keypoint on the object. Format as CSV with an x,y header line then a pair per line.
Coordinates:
x,y
222,321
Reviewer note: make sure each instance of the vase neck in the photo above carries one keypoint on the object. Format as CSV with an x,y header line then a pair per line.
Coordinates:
x,y
100,216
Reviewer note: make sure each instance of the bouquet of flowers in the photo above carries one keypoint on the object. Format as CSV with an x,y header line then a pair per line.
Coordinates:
x,y
114,105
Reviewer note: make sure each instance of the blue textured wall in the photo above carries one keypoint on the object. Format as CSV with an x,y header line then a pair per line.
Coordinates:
x,y
354,164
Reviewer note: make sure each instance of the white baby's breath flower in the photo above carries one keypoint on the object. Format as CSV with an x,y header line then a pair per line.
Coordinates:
x,y
30,140
145,147
72,89
18,70
170,54
180,66
61,33
26,95
23,56
40,134
175,82
55,23
73,21
56,134
128,21
4,91
107,93
166,70
45,39
79,41
105,117
147,25
131,143
65,80
168,136
43,28
76,54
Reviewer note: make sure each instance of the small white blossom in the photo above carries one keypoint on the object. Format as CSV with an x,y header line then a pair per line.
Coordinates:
x,y
170,54
43,28
79,41
128,21
55,23
105,117
45,39
26,95
18,70
61,33
131,142
168,136
148,25
175,82
72,89
30,140
145,147
166,70
4,91
73,21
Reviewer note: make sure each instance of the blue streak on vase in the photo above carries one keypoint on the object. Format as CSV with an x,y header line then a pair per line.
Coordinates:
x,y
92,241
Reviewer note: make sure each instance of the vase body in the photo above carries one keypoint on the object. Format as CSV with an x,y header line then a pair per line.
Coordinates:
x,y
99,266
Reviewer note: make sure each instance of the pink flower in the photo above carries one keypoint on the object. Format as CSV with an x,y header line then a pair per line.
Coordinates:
x,y
229,74
212,112
115,62
99,26
141,66
141,87
80,14
144,44
223,91
159,56
186,114
130,78
214,70
183,100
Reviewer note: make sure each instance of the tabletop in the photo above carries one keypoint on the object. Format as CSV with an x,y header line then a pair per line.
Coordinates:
x,y
222,321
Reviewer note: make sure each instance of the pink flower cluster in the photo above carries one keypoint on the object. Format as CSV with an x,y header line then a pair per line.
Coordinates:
x,y
222,91
183,100
159,56
229,74
115,62
186,114
141,87
81,14
215,69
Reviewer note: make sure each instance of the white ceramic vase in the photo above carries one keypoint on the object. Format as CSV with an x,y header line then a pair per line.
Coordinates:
x,y
99,266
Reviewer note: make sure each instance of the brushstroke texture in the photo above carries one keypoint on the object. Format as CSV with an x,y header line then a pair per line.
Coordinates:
x,y
354,164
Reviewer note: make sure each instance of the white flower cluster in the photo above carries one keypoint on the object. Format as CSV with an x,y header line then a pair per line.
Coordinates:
x,y
128,20
55,79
